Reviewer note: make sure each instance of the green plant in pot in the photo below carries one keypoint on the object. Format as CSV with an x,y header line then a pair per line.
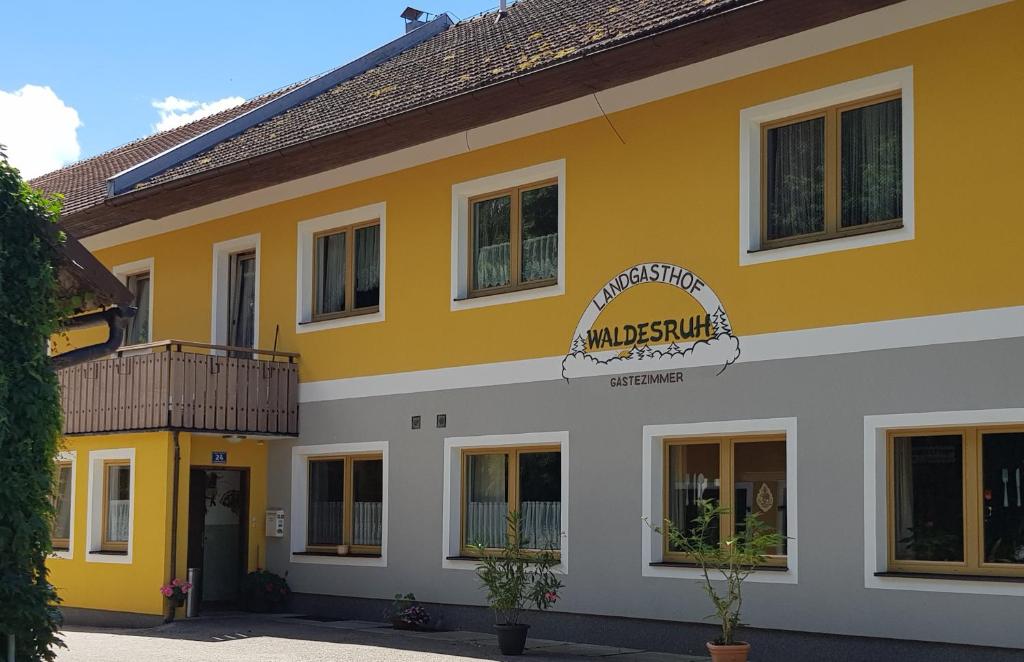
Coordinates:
x,y
725,567
516,578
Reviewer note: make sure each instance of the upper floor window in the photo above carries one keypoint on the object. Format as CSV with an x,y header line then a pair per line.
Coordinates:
x,y
62,498
832,172
242,299
955,504
138,331
346,271
745,475
514,239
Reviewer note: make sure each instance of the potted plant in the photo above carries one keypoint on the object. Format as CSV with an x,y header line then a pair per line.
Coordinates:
x,y
516,577
407,614
176,591
264,591
731,562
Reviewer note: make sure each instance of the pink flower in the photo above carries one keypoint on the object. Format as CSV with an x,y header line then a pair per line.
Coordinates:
x,y
167,591
186,587
175,582
551,596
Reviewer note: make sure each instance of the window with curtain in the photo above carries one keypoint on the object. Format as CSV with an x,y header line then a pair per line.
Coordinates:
x,y
116,505
242,302
346,278
137,332
514,239
833,172
61,532
956,504
346,504
499,481
745,475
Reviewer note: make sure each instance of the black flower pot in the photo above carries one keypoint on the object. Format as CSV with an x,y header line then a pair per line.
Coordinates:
x,y
511,638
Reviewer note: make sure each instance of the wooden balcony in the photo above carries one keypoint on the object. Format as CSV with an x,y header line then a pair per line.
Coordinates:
x,y
177,385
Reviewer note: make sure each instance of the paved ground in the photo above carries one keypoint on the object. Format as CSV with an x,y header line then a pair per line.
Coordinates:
x,y
271,639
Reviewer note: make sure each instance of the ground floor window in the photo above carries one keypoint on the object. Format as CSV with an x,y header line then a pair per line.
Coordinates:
x,y
955,503
116,505
62,501
496,481
346,504
745,474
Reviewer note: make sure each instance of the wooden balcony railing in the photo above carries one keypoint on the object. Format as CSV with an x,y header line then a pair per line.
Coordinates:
x,y
177,385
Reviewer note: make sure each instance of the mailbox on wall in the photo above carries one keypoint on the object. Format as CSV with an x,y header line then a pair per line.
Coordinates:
x,y
275,522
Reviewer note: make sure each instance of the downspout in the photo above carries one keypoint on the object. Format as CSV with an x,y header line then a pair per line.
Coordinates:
x,y
175,472
116,319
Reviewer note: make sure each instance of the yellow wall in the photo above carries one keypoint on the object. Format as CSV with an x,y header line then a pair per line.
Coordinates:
x,y
89,584
670,193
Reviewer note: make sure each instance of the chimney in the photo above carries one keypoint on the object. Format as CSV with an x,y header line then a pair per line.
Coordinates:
x,y
414,18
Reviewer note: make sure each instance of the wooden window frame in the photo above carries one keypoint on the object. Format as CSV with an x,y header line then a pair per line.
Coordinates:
x,y
515,241
348,487
63,544
973,515
833,174
130,281
350,271
512,454
107,545
727,491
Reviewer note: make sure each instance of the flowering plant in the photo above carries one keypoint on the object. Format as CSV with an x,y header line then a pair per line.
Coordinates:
x,y
264,591
176,590
517,576
405,611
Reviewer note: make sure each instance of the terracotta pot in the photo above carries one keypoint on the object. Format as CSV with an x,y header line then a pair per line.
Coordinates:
x,y
511,638
732,653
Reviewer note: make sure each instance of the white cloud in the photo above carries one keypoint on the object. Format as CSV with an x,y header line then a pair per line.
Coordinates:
x,y
174,111
39,130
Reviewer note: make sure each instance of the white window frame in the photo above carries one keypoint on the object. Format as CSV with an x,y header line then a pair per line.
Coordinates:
x,y
72,458
145,265
221,294
751,119
304,260
461,194
94,515
301,455
654,437
451,529
876,490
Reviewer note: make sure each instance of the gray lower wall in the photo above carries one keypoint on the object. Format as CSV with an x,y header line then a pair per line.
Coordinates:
x,y
829,396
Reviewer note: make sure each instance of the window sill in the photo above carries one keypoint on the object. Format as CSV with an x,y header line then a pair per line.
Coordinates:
x,y
334,555
951,576
886,234
477,558
481,300
883,226
339,321
110,552
694,566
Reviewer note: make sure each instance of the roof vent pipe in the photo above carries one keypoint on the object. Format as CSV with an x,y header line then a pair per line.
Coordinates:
x,y
502,10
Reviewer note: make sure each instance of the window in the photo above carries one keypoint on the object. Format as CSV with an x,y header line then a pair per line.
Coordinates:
x,y
116,505
346,501
832,172
346,271
514,239
62,501
528,478
746,475
955,501
242,301
138,331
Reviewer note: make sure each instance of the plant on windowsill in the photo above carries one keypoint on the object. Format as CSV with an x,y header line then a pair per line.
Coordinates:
x,y
176,591
264,591
734,560
516,577
407,614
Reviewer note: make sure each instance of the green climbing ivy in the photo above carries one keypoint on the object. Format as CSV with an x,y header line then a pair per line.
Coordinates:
x,y
30,415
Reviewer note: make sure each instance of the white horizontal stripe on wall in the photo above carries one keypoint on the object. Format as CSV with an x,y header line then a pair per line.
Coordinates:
x,y
991,324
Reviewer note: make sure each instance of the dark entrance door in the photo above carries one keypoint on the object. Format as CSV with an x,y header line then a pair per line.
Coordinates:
x,y
217,541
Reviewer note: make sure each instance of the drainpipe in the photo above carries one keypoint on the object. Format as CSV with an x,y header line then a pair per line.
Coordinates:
x,y
116,320
175,471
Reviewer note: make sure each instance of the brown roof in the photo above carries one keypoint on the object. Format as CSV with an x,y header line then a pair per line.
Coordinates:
x,y
84,184
477,71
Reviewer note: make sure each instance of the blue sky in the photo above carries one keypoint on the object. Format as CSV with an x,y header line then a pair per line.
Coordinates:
x,y
108,62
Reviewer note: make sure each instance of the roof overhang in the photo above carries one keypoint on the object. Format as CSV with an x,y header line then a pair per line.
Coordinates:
x,y
710,37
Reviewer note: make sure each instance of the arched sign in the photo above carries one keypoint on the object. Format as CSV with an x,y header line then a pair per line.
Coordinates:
x,y
665,344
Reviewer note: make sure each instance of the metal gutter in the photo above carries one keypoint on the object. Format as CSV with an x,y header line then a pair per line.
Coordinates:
x,y
127,179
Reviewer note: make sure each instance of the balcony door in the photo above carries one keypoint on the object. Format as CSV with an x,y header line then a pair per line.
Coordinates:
x,y
241,316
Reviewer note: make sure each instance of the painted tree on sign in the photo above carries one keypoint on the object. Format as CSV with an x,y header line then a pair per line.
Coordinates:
x,y
30,415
